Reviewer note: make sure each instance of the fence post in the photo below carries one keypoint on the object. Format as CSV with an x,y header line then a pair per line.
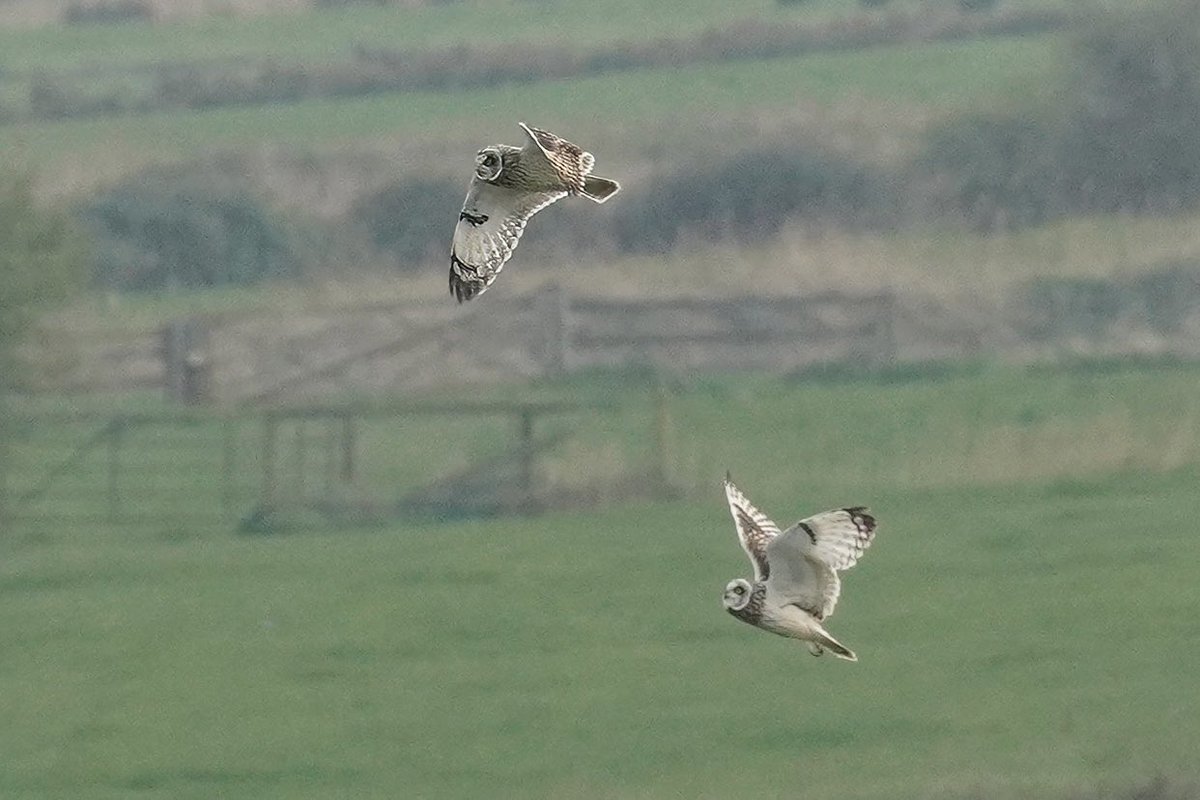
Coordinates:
x,y
187,366
662,438
301,456
116,433
269,480
228,464
349,434
886,348
5,453
525,434
329,464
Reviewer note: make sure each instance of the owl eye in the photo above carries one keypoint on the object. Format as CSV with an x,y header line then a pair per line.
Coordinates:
x,y
489,164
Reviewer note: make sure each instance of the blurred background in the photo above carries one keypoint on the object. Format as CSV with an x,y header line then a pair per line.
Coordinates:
x,y
278,518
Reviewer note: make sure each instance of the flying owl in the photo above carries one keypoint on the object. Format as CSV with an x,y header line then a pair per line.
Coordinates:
x,y
796,582
510,185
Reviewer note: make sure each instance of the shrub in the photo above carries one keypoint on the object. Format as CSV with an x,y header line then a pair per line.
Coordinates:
x,y
111,12
750,195
1050,308
1132,137
1164,299
977,5
162,231
993,171
53,97
1126,139
1170,296
412,220
41,262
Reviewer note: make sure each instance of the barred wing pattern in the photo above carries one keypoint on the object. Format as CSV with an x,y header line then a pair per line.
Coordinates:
x,y
840,537
569,160
806,558
489,226
755,529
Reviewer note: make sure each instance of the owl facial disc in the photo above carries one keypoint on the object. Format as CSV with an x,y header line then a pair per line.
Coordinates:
x,y
489,163
737,594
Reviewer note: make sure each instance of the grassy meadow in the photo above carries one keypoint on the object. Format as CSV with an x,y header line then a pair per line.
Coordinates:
x,y
321,33
1024,618
960,76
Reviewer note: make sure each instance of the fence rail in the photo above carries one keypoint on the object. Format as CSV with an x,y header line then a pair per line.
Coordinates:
x,y
381,348
249,466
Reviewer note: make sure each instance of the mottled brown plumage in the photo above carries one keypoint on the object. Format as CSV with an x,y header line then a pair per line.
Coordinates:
x,y
509,186
570,162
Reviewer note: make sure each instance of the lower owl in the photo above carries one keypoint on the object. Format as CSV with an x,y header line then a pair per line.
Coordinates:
x,y
796,585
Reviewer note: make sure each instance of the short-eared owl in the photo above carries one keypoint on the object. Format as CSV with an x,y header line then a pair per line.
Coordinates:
x,y
509,186
796,582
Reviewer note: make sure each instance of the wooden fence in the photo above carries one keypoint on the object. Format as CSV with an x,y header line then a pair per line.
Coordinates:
x,y
399,348
360,461
385,349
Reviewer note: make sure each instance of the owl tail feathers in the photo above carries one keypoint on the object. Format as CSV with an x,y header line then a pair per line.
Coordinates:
x,y
599,189
823,641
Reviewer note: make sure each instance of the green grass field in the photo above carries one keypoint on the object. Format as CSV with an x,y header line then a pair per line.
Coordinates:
x,y
326,33
1025,620
322,34
952,76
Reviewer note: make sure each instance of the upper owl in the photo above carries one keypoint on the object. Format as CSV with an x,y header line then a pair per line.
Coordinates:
x,y
509,186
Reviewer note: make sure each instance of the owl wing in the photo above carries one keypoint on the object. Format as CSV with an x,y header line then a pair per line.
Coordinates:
x,y
489,226
755,529
569,160
806,558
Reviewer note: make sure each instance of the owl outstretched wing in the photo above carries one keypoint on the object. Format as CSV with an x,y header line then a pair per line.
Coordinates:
x,y
755,529
806,558
570,161
489,226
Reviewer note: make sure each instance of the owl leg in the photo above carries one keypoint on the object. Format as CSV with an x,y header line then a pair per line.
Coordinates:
x,y
815,648
837,648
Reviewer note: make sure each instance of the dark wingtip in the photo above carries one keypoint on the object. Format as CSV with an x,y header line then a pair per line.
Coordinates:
x,y
456,290
462,290
862,517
